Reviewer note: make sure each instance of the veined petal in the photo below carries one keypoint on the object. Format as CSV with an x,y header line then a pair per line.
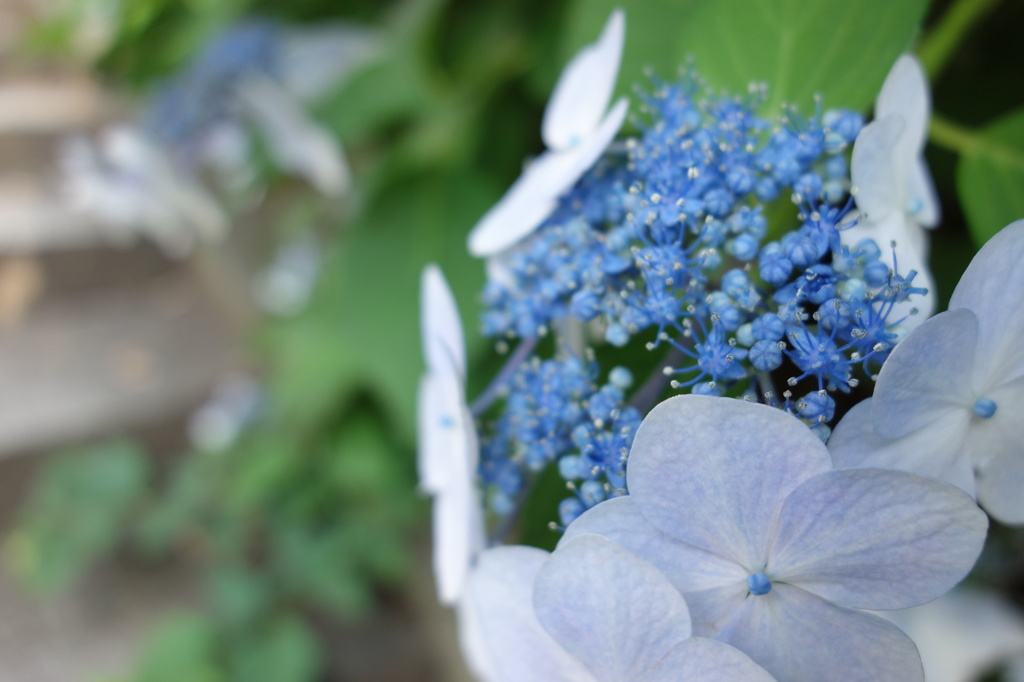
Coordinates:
x,y
876,538
584,89
689,568
877,178
612,610
991,288
905,92
963,634
440,325
795,635
707,660
928,375
938,450
714,472
510,642
922,196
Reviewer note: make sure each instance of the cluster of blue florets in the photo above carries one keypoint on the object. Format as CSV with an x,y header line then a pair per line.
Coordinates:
x,y
555,412
667,239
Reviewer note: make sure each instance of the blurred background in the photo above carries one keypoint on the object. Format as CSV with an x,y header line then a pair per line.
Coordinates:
x,y
213,217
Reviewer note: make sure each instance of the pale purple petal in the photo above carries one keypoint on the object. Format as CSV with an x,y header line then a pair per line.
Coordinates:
x,y
689,568
714,472
928,375
796,635
876,538
612,610
876,177
938,450
509,642
584,89
440,325
991,288
699,659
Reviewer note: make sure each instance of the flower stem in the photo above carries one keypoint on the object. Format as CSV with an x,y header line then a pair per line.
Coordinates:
x,y
490,394
953,136
938,47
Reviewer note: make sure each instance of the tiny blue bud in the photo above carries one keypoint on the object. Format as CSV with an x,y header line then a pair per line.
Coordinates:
x,y
745,335
569,510
984,408
592,493
758,584
616,335
765,356
572,467
621,378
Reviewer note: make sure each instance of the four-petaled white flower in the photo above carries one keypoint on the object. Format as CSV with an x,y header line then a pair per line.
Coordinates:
x,y
448,449
576,131
949,398
891,184
774,550
589,612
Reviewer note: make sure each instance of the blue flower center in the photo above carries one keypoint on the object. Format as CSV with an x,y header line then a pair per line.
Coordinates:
x,y
447,421
984,407
759,584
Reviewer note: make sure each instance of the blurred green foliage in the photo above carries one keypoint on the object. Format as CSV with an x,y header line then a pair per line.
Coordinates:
x,y
312,510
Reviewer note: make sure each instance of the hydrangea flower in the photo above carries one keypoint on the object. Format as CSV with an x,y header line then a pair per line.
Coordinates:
x,y
589,612
963,634
130,186
948,400
576,130
448,449
891,183
774,550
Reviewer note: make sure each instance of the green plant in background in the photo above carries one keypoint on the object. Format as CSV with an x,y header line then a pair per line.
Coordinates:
x,y
311,511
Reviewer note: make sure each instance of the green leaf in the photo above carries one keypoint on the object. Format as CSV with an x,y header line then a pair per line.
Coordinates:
x,y
361,330
78,511
990,177
183,648
842,50
284,651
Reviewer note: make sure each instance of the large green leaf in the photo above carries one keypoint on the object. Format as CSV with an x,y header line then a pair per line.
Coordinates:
x,y
990,177
362,328
799,47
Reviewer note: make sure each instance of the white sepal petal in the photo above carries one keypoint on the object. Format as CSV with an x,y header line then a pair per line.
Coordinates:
x,y
440,324
707,660
876,174
584,89
905,92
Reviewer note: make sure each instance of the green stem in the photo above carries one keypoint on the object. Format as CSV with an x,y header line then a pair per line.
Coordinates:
x,y
953,136
936,50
